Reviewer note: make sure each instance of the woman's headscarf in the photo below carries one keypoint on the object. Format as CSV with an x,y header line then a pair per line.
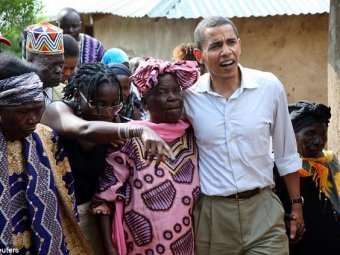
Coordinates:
x,y
146,75
120,69
17,90
304,113
115,55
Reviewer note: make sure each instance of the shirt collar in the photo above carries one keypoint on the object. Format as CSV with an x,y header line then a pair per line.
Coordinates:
x,y
204,82
247,79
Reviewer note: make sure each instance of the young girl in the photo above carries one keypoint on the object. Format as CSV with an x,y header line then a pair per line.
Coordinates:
x,y
154,204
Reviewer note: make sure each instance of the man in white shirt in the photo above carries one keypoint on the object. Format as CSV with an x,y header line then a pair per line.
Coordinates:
x,y
234,112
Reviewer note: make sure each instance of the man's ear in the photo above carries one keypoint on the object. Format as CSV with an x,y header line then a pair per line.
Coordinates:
x,y
198,55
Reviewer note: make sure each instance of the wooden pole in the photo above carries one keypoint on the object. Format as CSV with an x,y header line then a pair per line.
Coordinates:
x,y
334,76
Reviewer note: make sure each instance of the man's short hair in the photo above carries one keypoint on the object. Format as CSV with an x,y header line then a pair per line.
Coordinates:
x,y
212,21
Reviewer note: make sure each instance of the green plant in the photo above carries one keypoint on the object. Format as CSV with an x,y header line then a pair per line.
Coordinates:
x,y
16,15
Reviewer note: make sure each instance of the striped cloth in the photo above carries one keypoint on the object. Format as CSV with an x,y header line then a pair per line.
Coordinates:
x,y
90,50
17,90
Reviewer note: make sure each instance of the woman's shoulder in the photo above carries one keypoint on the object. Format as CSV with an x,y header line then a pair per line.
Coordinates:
x,y
61,106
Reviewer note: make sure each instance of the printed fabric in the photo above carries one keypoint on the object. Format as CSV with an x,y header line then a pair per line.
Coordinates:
x,y
157,203
90,50
37,206
326,175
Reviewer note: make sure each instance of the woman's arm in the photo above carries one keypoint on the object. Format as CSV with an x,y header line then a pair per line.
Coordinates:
x,y
62,119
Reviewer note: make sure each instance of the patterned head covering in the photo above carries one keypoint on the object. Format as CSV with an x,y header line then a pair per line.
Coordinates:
x,y
17,90
146,75
44,38
304,113
115,55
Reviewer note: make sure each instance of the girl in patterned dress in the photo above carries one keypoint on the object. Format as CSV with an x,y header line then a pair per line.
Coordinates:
x,y
153,205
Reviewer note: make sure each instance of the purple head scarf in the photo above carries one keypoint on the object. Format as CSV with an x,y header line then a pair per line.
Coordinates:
x,y
146,75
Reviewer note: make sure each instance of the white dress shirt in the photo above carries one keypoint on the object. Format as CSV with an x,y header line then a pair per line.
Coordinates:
x,y
233,136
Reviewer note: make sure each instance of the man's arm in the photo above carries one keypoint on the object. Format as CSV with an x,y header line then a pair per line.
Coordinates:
x,y
287,159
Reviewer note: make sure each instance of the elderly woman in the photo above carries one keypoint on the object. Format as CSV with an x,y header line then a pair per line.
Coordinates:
x,y
319,180
37,205
154,204
84,123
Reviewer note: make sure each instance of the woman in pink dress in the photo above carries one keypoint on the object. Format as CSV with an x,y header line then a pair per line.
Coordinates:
x,y
154,204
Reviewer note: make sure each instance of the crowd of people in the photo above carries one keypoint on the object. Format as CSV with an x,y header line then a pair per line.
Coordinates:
x,y
105,154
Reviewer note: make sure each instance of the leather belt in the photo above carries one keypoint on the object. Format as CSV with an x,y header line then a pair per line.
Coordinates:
x,y
244,194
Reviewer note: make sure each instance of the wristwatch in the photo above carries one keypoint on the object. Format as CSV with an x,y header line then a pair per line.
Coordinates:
x,y
299,200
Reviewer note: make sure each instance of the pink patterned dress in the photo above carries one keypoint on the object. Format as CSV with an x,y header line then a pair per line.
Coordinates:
x,y
157,203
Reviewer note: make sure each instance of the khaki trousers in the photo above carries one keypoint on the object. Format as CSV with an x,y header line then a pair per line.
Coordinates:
x,y
233,227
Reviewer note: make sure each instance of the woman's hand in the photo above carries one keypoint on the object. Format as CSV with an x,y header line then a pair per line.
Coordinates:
x,y
154,146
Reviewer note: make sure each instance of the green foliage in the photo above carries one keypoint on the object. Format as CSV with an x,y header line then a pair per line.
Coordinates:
x,y
15,15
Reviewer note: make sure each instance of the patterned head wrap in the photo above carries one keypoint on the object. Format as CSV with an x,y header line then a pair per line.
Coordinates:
x,y
44,38
146,75
17,90
304,113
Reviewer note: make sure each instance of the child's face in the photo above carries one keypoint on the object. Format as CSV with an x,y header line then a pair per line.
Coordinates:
x,y
125,84
69,68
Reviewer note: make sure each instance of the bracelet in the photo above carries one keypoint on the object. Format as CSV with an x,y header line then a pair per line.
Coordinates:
x,y
137,131
127,132
118,131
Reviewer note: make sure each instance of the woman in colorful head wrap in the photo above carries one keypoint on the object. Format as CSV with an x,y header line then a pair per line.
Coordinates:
x,y
319,180
37,205
84,121
158,201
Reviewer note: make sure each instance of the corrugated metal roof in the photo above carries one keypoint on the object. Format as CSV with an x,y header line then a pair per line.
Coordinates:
x,y
174,9
243,8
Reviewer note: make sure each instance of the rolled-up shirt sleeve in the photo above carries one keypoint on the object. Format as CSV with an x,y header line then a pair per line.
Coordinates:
x,y
286,157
